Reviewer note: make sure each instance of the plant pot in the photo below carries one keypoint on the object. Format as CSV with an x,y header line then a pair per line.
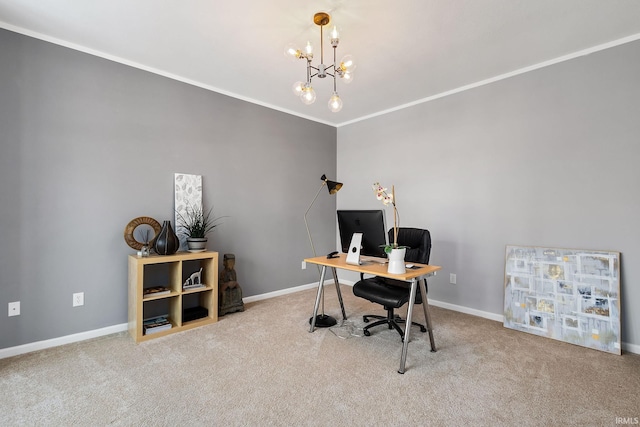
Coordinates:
x,y
196,244
396,261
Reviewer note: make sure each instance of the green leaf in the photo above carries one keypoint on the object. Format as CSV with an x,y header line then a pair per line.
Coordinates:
x,y
196,222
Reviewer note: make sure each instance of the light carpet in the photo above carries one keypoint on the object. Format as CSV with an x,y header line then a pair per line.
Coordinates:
x,y
263,367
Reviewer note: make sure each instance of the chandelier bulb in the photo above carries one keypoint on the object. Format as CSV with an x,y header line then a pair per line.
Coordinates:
x,y
335,103
308,95
292,52
335,38
309,49
347,77
347,63
297,88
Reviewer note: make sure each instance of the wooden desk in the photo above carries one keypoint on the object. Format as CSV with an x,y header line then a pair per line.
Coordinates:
x,y
412,275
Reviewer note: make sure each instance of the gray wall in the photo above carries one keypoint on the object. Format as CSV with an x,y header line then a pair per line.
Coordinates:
x,y
547,158
87,144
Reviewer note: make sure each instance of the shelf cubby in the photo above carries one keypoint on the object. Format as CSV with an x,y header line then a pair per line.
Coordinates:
x,y
171,271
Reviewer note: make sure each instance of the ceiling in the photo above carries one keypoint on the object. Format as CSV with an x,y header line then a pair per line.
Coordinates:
x,y
407,51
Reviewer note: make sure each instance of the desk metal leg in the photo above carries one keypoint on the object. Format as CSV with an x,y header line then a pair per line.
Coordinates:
x,y
335,280
427,316
407,328
320,290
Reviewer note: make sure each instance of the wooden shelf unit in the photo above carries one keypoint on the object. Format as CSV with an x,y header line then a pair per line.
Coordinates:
x,y
171,271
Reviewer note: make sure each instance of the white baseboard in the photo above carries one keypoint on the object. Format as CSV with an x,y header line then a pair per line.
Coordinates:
x,y
68,339
453,307
284,292
55,342
467,310
630,348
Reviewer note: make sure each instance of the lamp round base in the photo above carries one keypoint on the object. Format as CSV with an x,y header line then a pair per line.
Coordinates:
x,y
324,321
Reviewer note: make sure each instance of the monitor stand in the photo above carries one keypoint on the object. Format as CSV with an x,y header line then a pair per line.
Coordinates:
x,y
353,256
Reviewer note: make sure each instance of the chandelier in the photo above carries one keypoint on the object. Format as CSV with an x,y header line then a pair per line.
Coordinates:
x,y
343,70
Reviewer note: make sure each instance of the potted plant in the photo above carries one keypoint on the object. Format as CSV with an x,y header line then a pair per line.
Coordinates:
x,y
394,252
195,224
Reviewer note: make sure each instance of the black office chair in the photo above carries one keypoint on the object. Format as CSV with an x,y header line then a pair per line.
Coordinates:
x,y
392,294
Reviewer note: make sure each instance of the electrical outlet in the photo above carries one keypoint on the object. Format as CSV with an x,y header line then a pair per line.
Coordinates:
x,y
304,265
78,299
452,278
14,308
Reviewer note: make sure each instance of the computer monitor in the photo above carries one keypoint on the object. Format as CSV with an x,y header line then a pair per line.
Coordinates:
x,y
370,223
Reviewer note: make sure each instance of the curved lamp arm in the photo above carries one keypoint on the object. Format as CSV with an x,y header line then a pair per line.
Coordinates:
x,y
333,187
305,219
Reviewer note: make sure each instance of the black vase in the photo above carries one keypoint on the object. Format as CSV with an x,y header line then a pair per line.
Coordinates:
x,y
166,242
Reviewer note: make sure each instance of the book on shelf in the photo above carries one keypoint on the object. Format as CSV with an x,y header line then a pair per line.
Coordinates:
x,y
155,291
156,324
156,329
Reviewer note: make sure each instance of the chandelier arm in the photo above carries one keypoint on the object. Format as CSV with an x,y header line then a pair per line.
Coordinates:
x,y
321,45
334,70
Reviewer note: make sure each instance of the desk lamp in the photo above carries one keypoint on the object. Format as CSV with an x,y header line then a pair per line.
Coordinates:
x,y
322,320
